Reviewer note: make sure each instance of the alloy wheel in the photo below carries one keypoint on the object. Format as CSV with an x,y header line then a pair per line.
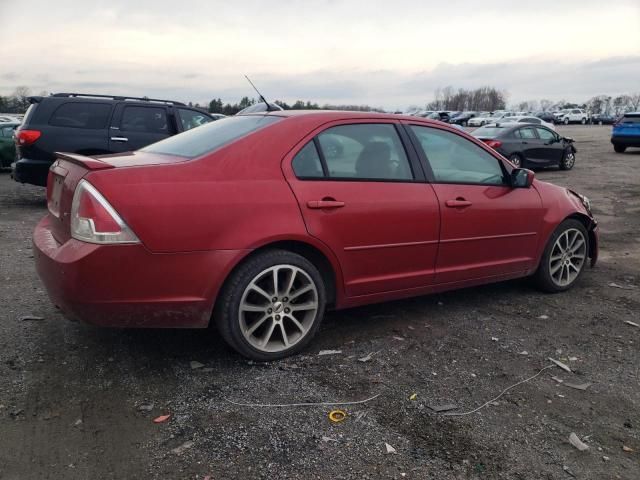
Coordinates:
x,y
567,257
516,160
278,308
569,160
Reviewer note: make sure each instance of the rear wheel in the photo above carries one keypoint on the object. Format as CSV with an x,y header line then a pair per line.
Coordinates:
x,y
599,122
564,257
583,121
568,161
619,148
271,306
516,159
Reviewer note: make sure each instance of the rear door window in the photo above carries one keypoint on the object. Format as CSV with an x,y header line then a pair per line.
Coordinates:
x,y
365,152
526,133
307,163
81,115
192,118
144,119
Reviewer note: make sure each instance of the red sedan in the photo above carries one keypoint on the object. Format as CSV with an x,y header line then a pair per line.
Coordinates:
x,y
260,222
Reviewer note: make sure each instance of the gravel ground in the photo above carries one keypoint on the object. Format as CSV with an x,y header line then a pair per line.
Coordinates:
x,y
78,402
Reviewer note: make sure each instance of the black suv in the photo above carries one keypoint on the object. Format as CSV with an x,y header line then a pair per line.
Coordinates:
x,y
93,125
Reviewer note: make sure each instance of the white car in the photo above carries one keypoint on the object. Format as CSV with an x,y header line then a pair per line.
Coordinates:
x,y
527,119
493,118
572,115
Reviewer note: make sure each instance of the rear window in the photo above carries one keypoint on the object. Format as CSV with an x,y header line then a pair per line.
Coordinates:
x,y
81,115
488,132
211,136
631,119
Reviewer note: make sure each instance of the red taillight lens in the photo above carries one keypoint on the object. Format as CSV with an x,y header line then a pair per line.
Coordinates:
x,y
90,209
493,143
94,220
24,138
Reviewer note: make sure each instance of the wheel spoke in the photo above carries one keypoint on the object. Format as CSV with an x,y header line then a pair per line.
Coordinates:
x,y
291,280
285,338
555,257
257,324
247,307
555,268
296,323
303,306
259,290
297,293
269,333
275,282
577,245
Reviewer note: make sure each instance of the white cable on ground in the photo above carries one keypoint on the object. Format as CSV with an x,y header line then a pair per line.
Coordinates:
x,y
455,414
312,404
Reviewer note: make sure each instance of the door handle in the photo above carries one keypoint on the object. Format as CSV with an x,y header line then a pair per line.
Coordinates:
x,y
458,203
119,139
525,143
315,204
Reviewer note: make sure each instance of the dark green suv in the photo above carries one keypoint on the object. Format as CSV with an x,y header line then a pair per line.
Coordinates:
x,y
7,144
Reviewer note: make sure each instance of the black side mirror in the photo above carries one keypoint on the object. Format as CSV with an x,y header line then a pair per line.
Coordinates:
x,y
521,178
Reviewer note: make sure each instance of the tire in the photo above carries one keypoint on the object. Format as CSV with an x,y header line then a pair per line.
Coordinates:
x,y
599,122
619,148
244,328
583,121
566,121
517,160
464,123
550,276
568,161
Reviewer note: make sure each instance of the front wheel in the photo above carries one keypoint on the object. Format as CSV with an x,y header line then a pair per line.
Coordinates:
x,y
566,121
619,148
568,161
583,121
271,306
564,257
516,159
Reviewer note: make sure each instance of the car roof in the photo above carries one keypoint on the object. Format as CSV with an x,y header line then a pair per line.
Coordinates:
x,y
330,115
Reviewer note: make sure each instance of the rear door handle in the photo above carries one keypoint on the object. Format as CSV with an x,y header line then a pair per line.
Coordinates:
x,y
458,203
315,204
119,139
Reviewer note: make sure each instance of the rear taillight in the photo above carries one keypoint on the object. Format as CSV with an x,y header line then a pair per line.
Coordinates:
x,y
94,220
24,138
493,143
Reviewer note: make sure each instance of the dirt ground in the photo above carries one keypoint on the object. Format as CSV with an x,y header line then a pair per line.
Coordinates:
x,y
77,402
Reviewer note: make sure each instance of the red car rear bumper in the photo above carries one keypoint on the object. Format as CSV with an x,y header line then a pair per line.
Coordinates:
x,y
128,286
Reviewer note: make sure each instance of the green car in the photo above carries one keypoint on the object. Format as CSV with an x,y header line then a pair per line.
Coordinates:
x,y
7,145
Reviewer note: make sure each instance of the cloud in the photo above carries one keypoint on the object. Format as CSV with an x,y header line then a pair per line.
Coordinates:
x,y
390,54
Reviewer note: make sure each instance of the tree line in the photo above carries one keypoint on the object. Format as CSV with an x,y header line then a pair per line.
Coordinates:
x,y
217,106
490,99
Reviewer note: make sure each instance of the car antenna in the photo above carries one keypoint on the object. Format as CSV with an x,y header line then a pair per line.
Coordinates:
x,y
269,109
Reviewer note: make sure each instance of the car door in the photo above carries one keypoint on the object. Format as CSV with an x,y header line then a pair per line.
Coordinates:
x,y
552,149
488,229
136,126
529,144
7,146
363,193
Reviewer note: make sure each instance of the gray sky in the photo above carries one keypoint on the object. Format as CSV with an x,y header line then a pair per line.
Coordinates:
x,y
384,53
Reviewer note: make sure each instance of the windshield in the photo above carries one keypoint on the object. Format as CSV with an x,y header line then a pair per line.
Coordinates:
x,y
209,137
489,131
631,119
